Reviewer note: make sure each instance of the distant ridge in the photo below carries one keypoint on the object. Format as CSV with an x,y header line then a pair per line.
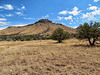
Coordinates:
x,y
44,27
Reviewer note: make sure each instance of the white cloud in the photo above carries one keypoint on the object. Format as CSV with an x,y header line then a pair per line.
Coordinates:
x,y
75,11
86,15
63,12
63,23
3,23
70,23
96,12
91,15
1,7
65,18
68,18
89,4
3,19
9,15
92,8
96,0
28,18
45,16
22,8
19,25
7,7
59,18
1,28
75,26
19,13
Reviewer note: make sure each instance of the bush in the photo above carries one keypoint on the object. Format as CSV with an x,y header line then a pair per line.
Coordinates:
x,y
59,34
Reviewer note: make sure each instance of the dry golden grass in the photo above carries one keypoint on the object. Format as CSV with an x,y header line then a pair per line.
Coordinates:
x,y
38,28
46,57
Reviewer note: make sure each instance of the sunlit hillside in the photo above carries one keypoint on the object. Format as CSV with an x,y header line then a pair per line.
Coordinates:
x,y
43,27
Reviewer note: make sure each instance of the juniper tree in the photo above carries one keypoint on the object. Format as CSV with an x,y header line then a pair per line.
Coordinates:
x,y
90,32
59,34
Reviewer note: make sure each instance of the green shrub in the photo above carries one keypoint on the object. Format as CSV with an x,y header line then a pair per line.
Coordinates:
x,y
59,34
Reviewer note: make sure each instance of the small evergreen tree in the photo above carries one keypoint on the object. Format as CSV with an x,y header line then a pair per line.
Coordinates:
x,y
90,32
59,34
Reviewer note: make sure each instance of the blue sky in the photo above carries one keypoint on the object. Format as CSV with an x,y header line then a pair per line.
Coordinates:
x,y
68,12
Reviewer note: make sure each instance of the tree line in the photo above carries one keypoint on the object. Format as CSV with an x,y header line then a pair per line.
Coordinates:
x,y
15,37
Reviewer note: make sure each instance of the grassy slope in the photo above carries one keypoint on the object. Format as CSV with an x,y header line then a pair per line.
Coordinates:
x,y
48,57
43,28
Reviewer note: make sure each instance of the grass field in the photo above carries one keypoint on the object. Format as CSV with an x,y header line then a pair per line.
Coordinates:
x,y
46,57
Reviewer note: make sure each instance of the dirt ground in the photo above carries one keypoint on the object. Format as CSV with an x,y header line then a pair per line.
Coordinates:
x,y
46,57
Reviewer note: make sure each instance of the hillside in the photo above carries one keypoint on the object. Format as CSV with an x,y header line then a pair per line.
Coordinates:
x,y
43,27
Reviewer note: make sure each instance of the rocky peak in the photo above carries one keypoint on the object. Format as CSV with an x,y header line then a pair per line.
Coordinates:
x,y
44,21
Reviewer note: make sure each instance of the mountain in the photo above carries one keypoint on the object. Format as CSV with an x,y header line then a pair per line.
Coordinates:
x,y
44,27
